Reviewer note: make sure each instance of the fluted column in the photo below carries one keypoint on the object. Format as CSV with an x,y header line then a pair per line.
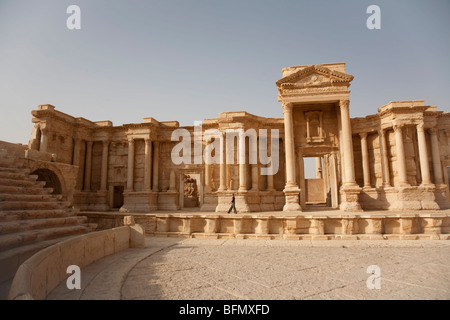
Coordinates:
x,y
223,164
349,178
423,155
130,169
365,159
104,176
435,154
289,145
242,163
156,167
384,158
88,167
401,160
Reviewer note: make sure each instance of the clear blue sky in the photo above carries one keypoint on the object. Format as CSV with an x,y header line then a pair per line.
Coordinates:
x,y
189,60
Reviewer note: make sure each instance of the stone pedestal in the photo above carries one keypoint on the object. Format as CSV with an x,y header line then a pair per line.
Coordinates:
x,y
350,198
168,200
292,195
224,201
209,202
139,201
415,198
98,201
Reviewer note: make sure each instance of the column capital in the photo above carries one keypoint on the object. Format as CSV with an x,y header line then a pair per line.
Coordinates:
x,y
363,135
420,126
344,104
130,140
433,131
287,107
398,127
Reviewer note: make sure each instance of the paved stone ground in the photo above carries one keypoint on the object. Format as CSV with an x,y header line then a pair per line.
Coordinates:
x,y
174,268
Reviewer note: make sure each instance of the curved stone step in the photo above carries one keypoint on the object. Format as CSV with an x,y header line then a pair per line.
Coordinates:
x,y
21,183
18,175
33,224
36,214
26,197
24,190
10,241
14,170
37,205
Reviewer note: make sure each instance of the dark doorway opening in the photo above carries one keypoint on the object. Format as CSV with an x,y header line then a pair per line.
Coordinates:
x,y
118,196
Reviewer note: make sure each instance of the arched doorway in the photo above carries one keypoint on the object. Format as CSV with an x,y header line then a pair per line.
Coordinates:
x,y
50,178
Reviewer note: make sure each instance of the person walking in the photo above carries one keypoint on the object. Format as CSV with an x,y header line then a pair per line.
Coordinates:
x,y
233,205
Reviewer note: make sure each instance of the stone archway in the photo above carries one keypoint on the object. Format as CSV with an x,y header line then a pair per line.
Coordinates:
x,y
51,179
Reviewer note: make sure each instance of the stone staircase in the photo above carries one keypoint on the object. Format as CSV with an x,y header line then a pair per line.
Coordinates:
x,y
31,218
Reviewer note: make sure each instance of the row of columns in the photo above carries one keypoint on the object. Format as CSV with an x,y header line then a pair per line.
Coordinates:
x,y
401,159
88,163
151,165
149,161
225,154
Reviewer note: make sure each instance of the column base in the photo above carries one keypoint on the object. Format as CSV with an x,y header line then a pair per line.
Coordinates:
x,y
416,198
292,199
350,198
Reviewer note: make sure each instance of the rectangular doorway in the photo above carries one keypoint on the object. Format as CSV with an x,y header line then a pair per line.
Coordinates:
x,y
118,196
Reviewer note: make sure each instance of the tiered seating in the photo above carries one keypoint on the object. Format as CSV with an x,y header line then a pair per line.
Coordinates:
x,y
31,218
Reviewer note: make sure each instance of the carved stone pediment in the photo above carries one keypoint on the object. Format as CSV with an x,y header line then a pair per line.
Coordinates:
x,y
314,76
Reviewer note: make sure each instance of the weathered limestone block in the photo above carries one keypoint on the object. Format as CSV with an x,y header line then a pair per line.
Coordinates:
x,y
292,198
350,199
262,225
212,224
137,233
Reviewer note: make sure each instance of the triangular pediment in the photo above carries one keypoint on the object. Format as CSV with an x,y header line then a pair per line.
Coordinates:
x,y
314,76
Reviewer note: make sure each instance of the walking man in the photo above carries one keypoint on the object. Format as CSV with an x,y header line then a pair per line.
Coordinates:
x,y
233,206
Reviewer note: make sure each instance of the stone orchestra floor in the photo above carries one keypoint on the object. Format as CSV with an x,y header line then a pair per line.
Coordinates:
x,y
233,269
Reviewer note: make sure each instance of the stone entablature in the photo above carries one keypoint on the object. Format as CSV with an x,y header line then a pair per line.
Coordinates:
x,y
396,159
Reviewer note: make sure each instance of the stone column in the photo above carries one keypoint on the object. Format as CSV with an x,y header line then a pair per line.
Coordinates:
x,y
147,164
130,169
223,164
270,175
104,177
255,177
437,168
242,163
384,159
289,145
319,174
207,178
87,169
423,155
401,160
365,159
156,166
347,145
291,189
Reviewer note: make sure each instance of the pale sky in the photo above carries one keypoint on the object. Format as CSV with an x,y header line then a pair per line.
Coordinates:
x,y
188,60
